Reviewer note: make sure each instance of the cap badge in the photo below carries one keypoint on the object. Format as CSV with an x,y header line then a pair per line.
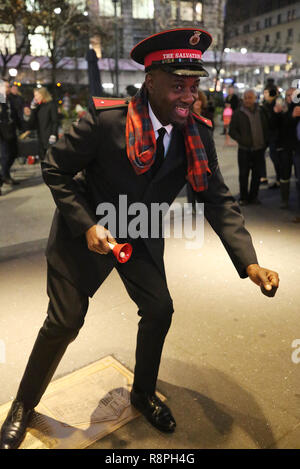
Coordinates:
x,y
194,40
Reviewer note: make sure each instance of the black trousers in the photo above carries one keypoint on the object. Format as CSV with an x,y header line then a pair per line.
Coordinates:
x,y
274,155
285,158
67,308
8,154
250,161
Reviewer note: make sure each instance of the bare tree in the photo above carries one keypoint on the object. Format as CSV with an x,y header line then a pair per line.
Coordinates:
x,y
16,23
64,27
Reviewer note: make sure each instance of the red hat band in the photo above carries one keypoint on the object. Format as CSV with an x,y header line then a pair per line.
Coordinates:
x,y
172,55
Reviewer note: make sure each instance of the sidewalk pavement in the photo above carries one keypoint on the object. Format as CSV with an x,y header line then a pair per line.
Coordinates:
x,y
229,370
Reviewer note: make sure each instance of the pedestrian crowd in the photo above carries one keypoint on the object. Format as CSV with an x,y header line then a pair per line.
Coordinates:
x,y
271,127
18,120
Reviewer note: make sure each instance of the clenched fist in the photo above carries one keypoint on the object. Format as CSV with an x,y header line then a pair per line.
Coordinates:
x,y
266,279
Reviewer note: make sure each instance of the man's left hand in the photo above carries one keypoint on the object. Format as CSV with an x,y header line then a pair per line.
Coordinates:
x,y
266,279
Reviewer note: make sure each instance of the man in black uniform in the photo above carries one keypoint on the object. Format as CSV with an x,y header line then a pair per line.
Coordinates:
x,y
145,150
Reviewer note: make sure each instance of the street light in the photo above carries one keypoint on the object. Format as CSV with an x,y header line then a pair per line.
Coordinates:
x,y
13,72
244,50
35,66
116,48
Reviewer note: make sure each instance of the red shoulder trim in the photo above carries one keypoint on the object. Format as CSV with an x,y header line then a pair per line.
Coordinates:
x,y
109,103
202,119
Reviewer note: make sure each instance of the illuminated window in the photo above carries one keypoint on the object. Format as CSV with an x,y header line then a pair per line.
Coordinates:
x,y
33,5
107,8
142,9
173,9
198,11
7,39
38,42
188,11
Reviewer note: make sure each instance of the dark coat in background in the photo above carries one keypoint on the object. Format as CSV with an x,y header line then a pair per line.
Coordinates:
x,y
10,120
240,129
283,126
18,102
233,100
96,146
44,119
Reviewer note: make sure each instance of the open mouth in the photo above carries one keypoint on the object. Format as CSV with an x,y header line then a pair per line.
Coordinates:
x,y
182,112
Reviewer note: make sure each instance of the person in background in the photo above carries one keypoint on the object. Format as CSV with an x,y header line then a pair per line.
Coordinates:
x,y
44,119
233,100
9,122
227,115
26,113
249,127
17,100
296,155
283,125
200,107
270,96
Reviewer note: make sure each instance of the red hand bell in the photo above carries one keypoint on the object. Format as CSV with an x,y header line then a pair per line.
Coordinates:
x,y
122,252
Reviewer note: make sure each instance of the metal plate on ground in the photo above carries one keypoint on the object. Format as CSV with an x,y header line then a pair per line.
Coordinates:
x,y
81,408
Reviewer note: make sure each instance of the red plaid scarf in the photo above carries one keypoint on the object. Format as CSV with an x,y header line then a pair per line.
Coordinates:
x,y
141,143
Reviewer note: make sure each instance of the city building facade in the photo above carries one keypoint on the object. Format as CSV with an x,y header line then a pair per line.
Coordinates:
x,y
124,23
271,27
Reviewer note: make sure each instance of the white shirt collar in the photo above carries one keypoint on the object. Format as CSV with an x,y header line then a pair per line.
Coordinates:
x,y
156,123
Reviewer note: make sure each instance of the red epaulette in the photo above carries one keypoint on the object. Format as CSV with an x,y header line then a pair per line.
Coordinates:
x,y
204,120
110,103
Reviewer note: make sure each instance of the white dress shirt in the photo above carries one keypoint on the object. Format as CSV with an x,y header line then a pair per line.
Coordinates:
x,y
157,125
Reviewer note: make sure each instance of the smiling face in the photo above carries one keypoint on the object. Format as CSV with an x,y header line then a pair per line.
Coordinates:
x,y
171,96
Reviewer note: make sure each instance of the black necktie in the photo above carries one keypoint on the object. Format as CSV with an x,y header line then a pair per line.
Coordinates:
x,y
160,151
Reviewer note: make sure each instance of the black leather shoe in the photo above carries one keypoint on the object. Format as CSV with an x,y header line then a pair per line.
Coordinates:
x,y
14,427
155,411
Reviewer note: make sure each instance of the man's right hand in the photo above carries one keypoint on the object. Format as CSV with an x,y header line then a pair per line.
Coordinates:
x,y
97,238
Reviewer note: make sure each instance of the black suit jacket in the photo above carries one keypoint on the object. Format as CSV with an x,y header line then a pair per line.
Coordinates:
x,y
97,146
44,118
